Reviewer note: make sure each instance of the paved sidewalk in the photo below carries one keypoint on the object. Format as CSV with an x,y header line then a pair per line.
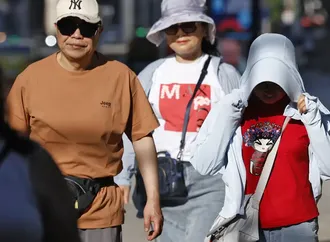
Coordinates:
x,y
324,219
133,228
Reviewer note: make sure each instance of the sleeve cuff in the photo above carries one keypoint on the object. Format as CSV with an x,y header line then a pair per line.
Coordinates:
x,y
313,115
123,179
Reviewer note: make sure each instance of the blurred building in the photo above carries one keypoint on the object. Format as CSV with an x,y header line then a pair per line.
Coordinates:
x,y
27,27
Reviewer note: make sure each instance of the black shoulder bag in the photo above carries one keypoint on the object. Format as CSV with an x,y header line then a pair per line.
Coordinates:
x,y
170,171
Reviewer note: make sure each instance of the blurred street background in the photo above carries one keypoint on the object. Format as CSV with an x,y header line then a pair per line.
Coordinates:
x,y
27,31
27,34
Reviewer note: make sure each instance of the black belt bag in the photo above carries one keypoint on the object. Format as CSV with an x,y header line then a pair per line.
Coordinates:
x,y
84,190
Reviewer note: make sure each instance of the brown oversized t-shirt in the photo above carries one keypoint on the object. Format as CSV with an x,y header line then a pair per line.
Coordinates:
x,y
79,117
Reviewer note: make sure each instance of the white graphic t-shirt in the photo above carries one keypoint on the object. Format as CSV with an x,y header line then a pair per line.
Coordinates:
x,y
172,88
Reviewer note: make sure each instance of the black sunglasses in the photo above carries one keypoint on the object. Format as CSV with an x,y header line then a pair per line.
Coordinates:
x,y
67,26
187,28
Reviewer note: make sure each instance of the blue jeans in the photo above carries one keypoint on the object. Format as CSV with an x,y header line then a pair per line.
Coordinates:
x,y
304,232
193,220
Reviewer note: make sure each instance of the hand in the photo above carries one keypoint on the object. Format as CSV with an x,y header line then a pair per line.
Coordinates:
x,y
302,104
153,215
125,191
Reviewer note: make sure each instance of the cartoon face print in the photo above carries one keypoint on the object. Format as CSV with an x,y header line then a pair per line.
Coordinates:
x,y
262,138
263,145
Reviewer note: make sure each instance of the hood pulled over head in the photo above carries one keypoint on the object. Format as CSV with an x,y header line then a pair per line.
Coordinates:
x,y
272,59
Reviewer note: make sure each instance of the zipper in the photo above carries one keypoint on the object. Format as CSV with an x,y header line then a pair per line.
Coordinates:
x,y
68,179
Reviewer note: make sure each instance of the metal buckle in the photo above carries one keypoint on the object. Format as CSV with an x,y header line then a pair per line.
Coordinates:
x,y
217,234
179,157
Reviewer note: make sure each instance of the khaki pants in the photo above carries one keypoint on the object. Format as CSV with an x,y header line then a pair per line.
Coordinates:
x,y
113,234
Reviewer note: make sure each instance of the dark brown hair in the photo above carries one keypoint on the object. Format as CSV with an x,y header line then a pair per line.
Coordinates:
x,y
207,47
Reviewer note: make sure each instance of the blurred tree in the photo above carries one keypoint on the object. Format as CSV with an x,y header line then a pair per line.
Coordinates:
x,y
276,7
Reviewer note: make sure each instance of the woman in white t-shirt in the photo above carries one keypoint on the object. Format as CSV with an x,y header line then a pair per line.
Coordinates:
x,y
169,84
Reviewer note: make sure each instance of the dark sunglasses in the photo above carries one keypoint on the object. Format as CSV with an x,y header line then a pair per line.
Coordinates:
x,y
67,26
187,28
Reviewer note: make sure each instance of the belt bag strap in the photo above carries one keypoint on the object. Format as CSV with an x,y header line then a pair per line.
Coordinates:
x,y
93,184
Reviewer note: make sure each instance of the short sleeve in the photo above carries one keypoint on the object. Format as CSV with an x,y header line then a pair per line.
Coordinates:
x,y
17,110
142,120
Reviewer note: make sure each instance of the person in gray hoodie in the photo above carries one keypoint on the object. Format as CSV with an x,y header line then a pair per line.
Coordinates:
x,y
169,84
242,129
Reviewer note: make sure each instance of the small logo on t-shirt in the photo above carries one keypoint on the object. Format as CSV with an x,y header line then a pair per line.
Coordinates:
x,y
105,104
